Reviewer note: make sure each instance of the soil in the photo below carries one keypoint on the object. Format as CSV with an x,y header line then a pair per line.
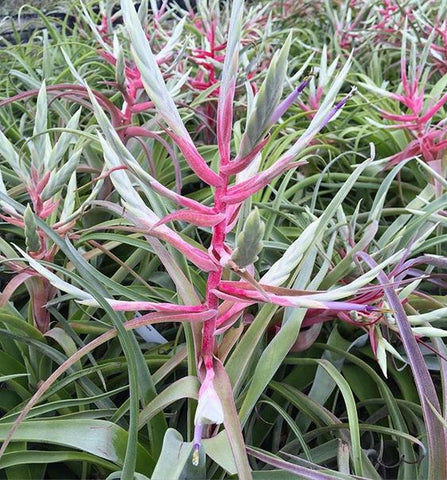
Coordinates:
x,y
12,7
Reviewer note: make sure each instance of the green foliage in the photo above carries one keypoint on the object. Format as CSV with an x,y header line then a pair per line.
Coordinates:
x,y
104,214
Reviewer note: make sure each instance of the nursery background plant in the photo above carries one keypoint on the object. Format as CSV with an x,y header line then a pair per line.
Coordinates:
x,y
222,245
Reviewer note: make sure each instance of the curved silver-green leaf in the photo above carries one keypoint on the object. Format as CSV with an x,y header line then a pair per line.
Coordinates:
x,y
97,437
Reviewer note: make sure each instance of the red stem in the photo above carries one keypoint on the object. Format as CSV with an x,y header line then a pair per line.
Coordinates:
x,y
217,247
214,278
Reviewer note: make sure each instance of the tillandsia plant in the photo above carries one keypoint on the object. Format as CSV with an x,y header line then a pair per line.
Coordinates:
x,y
228,199
242,278
48,185
209,56
426,136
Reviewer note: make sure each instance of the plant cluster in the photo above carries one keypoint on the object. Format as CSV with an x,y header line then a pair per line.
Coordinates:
x,y
222,242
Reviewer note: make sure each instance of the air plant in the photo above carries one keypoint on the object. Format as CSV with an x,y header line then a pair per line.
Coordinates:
x,y
426,135
234,182
209,58
230,277
51,189
432,29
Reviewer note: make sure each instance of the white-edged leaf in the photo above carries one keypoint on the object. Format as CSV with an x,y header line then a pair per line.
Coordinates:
x,y
8,152
41,142
429,332
60,177
281,269
64,141
229,70
429,317
150,72
3,190
173,39
266,100
53,278
70,198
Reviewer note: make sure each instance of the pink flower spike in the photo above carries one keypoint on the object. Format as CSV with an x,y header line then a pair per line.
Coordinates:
x,y
103,29
398,117
230,291
107,56
41,184
232,310
135,306
247,188
232,212
432,111
239,164
13,221
224,326
48,208
225,123
195,160
195,218
142,107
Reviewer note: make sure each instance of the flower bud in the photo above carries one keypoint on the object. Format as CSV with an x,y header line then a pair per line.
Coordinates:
x,y
31,234
209,410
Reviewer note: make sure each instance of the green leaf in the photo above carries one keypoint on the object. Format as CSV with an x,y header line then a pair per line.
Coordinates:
x,y
45,457
275,475
65,341
175,462
11,318
231,422
395,414
219,449
187,387
343,385
40,146
266,100
157,426
97,437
